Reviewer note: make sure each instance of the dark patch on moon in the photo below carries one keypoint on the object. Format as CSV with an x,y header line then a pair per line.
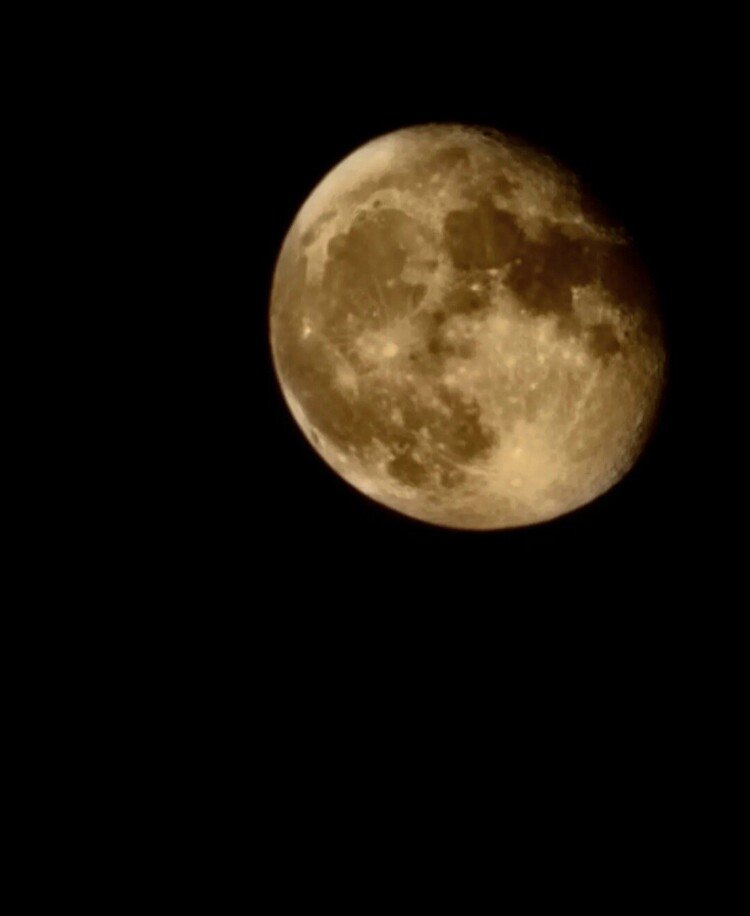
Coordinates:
x,y
448,340
406,469
449,158
461,430
462,301
445,331
362,276
503,185
544,274
310,374
457,436
354,421
602,340
451,476
569,323
625,277
481,238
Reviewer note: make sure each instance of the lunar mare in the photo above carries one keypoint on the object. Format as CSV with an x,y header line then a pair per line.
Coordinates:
x,y
462,334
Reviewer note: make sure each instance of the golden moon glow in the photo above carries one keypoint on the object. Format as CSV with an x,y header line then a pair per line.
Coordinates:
x,y
461,334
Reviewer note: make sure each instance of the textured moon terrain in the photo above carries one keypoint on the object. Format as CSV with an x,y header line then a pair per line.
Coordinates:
x,y
462,334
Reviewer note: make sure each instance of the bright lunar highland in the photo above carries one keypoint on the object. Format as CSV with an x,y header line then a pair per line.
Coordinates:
x,y
462,334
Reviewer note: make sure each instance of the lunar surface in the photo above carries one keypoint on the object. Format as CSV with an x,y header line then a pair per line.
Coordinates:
x,y
462,334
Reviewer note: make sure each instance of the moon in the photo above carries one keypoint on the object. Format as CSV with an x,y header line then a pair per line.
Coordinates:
x,y
462,333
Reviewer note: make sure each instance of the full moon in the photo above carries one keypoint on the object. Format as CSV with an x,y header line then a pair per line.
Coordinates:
x,y
462,333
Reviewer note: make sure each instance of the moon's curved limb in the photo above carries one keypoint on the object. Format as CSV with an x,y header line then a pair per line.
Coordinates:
x,y
461,334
